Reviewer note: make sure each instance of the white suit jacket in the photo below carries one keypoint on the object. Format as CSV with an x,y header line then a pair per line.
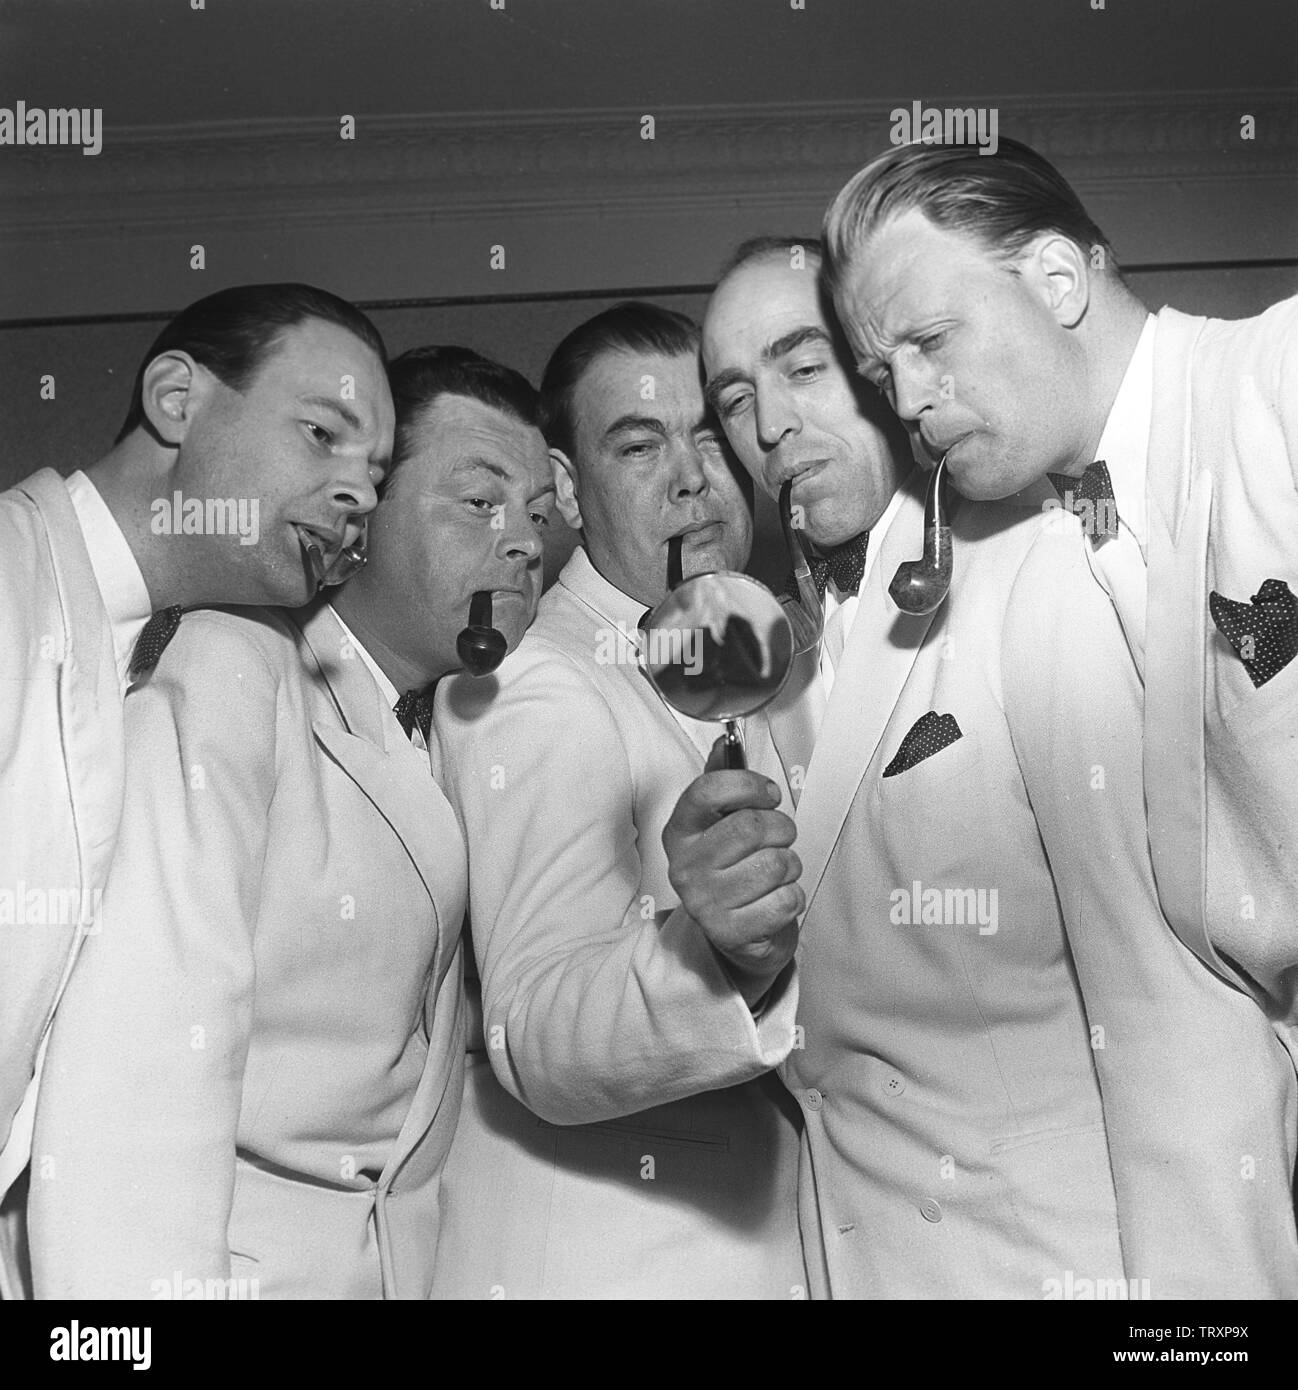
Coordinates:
x,y
954,1144
1200,1097
596,1156
256,1072
1221,756
60,764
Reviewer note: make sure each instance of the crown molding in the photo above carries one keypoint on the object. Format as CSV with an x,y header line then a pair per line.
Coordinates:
x,y
408,208
446,167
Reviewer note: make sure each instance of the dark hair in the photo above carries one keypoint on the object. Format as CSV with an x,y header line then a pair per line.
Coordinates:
x,y
421,376
233,331
762,248
632,326
1004,199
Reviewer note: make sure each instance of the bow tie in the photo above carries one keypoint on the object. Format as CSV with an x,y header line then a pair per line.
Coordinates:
x,y
844,564
1090,499
1263,632
153,639
415,707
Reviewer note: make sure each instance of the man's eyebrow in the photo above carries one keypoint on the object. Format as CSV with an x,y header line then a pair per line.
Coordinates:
x,y
729,376
544,492
781,347
792,340
328,403
475,464
635,422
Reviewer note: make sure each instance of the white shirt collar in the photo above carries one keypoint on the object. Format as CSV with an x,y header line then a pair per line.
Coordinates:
x,y
389,691
1124,445
121,585
833,597
581,577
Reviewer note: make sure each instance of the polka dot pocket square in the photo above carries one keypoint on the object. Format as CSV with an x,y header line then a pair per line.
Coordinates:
x,y
1264,632
930,733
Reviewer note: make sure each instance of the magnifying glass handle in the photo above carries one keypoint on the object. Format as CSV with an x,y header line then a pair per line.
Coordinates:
x,y
732,750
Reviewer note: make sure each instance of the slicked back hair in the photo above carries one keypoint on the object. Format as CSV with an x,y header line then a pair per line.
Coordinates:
x,y
632,326
1004,200
418,378
232,332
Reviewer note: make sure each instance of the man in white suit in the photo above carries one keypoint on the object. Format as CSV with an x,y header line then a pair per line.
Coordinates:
x,y
619,1137
258,413
1181,433
955,1143
270,1030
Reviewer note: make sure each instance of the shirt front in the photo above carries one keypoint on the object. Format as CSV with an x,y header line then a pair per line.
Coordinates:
x,y
121,584
627,613
1124,443
389,691
1120,564
836,600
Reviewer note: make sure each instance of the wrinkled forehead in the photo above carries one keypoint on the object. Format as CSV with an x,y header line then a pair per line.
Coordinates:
x,y
319,363
457,435
908,272
758,304
622,381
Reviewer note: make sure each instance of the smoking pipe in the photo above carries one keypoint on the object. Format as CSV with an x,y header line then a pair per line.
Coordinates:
x,y
328,574
919,586
480,646
674,568
806,613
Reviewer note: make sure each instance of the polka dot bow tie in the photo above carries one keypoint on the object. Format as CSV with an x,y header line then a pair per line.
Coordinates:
x,y
844,564
415,707
1090,499
152,641
1264,631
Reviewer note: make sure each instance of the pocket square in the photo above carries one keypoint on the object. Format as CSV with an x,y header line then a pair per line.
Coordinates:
x,y
930,733
1264,632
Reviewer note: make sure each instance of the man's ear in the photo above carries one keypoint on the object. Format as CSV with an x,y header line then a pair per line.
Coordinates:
x,y
1058,269
565,487
172,386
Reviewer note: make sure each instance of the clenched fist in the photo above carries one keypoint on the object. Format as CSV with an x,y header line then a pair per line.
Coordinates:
x,y
729,857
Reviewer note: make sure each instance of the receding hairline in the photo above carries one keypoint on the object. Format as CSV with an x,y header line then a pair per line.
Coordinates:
x,y
777,252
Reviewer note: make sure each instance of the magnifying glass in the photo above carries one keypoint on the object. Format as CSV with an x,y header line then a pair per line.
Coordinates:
x,y
719,647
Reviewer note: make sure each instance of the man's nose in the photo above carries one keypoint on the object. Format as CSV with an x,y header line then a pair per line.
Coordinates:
x,y
914,390
689,477
353,490
776,415
519,539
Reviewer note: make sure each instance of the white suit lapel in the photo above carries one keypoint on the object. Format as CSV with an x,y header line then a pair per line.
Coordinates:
x,y
1179,510
794,720
880,652
373,752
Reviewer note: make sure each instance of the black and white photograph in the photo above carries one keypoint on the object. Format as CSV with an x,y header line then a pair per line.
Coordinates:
x,y
650,654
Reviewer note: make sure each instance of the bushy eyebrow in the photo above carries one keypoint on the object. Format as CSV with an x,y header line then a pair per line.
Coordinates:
x,y
476,464
781,347
635,422
328,403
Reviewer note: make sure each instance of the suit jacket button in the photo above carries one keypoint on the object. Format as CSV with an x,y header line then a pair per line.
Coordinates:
x,y
930,1210
814,1099
893,1085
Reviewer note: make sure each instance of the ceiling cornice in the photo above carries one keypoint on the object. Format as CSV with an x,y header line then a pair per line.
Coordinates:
x,y
434,177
